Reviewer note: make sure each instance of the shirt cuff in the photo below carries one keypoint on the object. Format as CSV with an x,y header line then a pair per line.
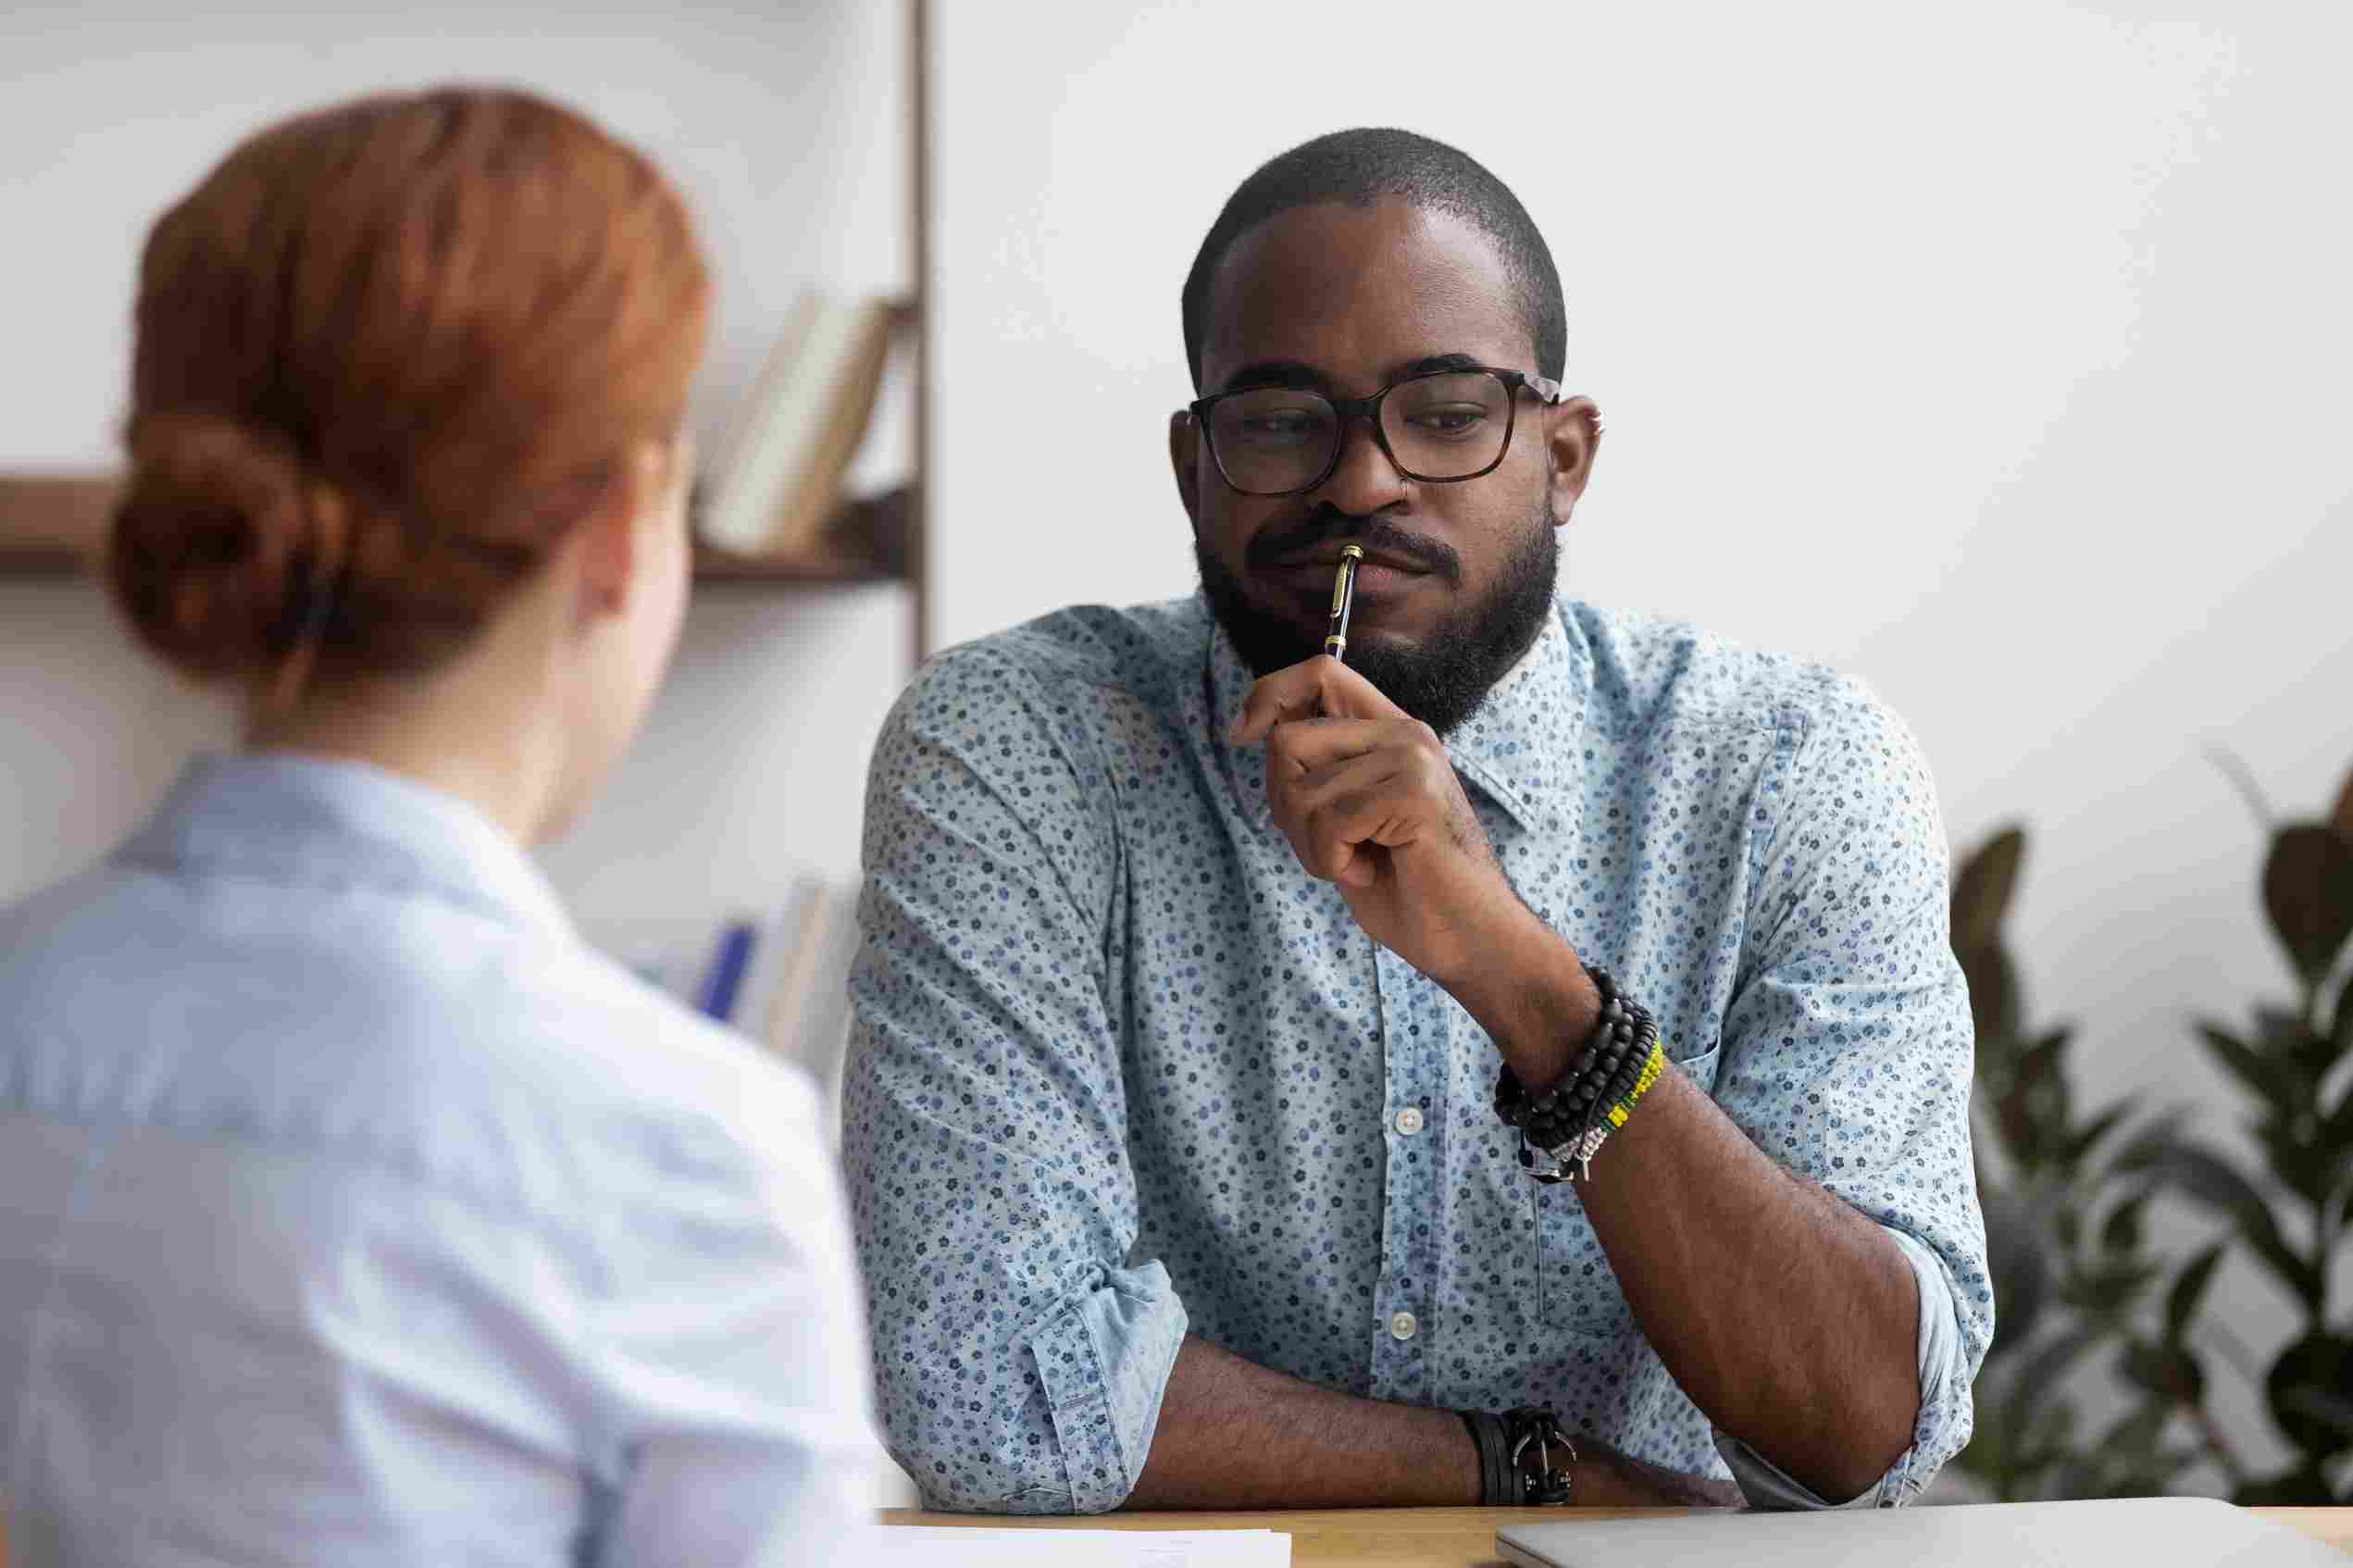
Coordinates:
x,y
1766,1486
1103,1357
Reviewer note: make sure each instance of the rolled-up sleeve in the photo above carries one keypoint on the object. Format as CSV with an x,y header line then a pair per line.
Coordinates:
x,y
1020,1353
1849,1051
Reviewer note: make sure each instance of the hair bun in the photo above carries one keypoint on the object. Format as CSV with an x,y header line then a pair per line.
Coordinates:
x,y
207,540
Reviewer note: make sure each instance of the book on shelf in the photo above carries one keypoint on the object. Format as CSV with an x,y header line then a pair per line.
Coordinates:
x,y
777,485
723,977
806,1017
781,979
776,953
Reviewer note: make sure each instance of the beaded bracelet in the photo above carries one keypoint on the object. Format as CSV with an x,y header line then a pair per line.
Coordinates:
x,y
1589,1073
1574,1118
1588,1142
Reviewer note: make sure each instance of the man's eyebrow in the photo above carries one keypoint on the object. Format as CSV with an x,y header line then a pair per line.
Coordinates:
x,y
1276,373
1431,364
1297,373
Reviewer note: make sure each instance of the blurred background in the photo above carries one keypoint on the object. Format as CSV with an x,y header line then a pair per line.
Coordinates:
x,y
1996,355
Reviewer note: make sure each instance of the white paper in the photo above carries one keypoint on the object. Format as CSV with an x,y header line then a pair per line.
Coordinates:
x,y
984,1548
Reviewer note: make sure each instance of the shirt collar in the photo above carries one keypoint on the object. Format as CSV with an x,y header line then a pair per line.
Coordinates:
x,y
305,819
1517,747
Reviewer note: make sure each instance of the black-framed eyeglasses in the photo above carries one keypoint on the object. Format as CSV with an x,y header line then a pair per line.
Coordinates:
x,y
1440,427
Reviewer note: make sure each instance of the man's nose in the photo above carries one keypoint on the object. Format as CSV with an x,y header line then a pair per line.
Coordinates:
x,y
1365,481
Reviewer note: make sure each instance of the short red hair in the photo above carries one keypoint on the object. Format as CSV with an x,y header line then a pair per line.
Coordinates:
x,y
388,352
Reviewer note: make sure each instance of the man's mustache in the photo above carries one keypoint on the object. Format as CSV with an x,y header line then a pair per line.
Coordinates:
x,y
1282,542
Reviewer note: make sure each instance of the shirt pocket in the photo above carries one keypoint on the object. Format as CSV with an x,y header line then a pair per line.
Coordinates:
x,y
1578,1290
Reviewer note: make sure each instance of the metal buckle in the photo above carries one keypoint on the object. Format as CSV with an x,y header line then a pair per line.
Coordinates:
x,y
1547,1488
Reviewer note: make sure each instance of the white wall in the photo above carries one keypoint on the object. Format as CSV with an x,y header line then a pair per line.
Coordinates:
x,y
1997,353
784,124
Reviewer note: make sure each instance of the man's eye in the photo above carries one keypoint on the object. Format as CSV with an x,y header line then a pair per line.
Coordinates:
x,y
1449,421
1278,425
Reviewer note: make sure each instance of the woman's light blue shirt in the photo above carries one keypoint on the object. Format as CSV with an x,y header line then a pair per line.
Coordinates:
x,y
352,1209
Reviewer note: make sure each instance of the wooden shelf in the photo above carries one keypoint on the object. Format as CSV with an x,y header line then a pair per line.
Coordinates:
x,y
51,526
712,567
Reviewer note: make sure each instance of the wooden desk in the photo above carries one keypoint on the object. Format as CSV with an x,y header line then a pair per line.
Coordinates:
x,y
1434,1537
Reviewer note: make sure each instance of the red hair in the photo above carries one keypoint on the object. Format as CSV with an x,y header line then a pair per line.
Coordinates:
x,y
388,352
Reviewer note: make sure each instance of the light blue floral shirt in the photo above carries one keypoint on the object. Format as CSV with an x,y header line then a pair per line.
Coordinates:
x,y
1122,1069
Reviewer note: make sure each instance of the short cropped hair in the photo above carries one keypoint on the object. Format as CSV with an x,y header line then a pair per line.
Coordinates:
x,y
1360,168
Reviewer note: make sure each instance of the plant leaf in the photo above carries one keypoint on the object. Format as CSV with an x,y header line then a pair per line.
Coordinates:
x,y
2327,1406
2189,1291
2107,1294
2328,1052
2287,1039
2308,891
1993,1002
2088,1135
2267,1077
2133,1440
2122,1231
2318,1364
2250,792
1982,886
2304,1488
2300,1160
2337,1125
2017,1255
2039,1376
2047,1433
2204,1176
2166,1371
2035,1108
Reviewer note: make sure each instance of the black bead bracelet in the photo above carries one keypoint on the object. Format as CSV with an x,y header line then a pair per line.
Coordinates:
x,y
1615,1051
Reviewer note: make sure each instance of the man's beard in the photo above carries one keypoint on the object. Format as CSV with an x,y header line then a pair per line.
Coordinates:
x,y
1440,681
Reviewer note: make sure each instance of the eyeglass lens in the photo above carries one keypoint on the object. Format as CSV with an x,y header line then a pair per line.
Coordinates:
x,y
1446,425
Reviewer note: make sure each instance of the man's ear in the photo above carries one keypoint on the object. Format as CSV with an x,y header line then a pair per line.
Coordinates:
x,y
1573,438
1184,455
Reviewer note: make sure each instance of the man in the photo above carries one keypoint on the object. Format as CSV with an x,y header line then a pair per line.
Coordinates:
x,y
1194,961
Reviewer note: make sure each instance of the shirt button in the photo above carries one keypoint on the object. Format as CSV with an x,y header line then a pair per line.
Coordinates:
x,y
1402,1325
1408,1121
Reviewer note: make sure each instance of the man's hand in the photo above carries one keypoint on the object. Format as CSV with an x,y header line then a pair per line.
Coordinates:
x,y
1368,800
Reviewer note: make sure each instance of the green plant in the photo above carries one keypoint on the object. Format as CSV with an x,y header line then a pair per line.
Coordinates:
x,y
2073,1275
2292,1217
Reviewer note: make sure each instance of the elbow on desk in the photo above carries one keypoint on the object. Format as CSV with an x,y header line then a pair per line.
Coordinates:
x,y
1036,1499
954,1472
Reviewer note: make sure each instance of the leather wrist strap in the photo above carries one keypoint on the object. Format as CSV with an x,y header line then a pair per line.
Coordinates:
x,y
1499,1480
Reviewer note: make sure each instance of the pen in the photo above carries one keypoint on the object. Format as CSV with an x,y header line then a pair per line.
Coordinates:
x,y
1343,600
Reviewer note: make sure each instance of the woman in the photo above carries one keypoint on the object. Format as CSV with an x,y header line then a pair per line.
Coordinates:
x,y
351,1209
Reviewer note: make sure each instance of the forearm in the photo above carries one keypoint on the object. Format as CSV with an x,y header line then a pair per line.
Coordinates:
x,y
1786,1316
1789,1318
1234,1434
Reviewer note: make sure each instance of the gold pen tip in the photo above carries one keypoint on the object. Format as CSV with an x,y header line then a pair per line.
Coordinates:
x,y
1351,553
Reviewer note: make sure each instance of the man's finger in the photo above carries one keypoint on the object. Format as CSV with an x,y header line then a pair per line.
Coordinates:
x,y
1320,687
1347,810
1296,798
1306,745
